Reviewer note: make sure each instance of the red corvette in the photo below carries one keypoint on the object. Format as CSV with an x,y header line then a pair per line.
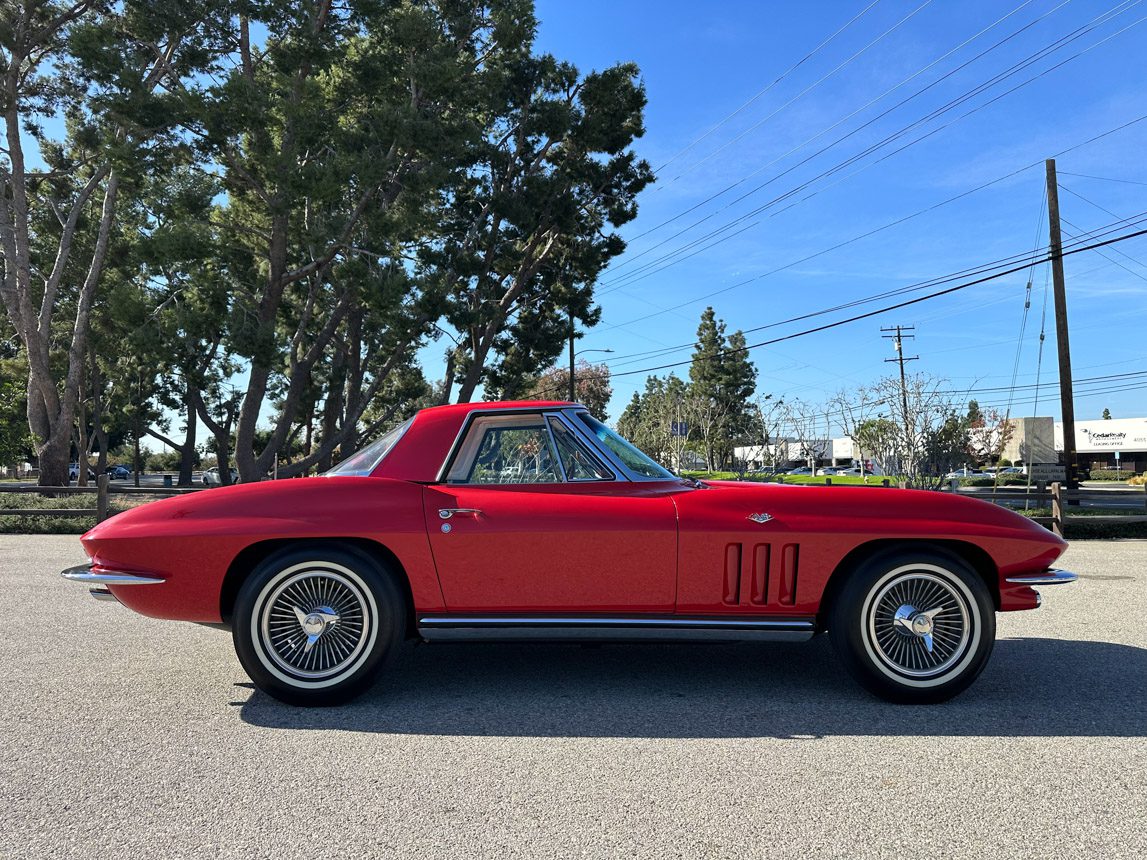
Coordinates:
x,y
534,521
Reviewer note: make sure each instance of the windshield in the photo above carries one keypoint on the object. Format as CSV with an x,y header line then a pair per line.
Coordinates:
x,y
631,456
364,461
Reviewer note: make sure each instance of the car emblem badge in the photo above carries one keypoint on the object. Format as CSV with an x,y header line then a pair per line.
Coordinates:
x,y
760,518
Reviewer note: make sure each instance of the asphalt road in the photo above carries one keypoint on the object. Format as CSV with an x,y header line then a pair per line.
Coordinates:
x,y
128,737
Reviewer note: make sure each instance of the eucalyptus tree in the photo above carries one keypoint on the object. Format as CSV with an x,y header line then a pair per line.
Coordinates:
x,y
93,69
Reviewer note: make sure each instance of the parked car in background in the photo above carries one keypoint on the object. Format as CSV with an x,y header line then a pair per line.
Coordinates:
x,y
118,472
829,470
438,530
211,477
803,470
74,472
1013,470
855,472
967,473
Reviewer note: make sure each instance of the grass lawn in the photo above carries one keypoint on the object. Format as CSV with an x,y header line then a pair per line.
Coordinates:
x,y
837,480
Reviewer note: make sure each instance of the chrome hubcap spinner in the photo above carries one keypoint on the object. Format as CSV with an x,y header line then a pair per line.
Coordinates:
x,y
919,624
315,623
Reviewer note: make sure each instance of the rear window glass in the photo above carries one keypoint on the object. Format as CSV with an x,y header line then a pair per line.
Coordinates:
x,y
366,460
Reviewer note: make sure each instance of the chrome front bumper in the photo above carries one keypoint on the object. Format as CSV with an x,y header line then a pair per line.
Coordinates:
x,y
101,578
1051,576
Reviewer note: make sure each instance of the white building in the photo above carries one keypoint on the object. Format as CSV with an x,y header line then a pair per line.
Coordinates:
x,y
1109,444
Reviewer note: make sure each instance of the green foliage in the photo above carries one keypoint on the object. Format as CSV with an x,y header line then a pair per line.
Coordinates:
x,y
1111,474
1001,481
722,382
15,441
591,386
285,221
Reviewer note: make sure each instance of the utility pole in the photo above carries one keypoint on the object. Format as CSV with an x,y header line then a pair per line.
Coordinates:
x,y
1066,401
898,344
573,382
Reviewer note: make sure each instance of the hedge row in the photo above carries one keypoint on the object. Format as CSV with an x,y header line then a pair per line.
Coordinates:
x,y
1111,475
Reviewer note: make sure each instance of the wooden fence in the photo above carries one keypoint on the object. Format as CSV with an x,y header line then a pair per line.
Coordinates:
x,y
102,491
1066,503
1062,501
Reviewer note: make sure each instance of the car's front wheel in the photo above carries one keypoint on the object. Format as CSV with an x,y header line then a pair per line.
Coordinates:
x,y
313,627
914,626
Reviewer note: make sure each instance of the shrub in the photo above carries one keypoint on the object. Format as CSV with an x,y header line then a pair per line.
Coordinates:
x,y
1110,475
1004,481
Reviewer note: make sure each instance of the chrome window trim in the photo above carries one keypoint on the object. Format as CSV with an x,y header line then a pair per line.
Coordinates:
x,y
554,447
598,445
620,473
461,451
593,452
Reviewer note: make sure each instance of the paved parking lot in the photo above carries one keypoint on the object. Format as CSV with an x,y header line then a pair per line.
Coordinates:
x,y
127,737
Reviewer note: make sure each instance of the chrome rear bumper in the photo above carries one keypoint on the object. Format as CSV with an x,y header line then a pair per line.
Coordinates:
x,y
1051,576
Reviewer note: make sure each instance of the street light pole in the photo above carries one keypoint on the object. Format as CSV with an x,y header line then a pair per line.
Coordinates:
x,y
573,384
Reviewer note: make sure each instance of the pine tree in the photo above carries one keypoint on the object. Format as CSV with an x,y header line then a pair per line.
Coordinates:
x,y
723,381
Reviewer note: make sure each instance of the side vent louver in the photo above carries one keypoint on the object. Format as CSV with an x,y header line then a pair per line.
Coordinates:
x,y
759,594
732,595
754,570
790,559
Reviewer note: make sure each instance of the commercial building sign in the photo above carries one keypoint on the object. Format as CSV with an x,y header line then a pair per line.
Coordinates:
x,y
1115,434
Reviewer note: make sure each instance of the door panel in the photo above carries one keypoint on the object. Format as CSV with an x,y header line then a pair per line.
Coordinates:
x,y
603,547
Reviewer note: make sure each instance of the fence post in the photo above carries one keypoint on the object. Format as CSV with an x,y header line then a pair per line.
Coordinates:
x,y
828,481
101,498
1057,508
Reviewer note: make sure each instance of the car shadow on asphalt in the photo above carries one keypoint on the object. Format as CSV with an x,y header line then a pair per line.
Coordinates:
x,y
1031,688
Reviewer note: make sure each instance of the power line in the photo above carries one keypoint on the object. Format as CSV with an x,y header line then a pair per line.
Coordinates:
x,y
765,91
869,314
868,104
1102,178
1063,41
1113,215
803,92
669,262
887,226
1025,258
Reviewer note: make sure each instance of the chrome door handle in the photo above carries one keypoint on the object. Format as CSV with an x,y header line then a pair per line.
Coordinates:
x,y
447,513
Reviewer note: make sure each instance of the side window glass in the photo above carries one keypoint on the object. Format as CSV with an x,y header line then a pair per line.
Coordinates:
x,y
578,462
517,452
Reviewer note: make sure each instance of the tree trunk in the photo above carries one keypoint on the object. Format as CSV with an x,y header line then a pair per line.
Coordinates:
x,y
82,447
187,451
135,455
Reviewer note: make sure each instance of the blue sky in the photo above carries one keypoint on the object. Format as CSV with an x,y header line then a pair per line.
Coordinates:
x,y
701,62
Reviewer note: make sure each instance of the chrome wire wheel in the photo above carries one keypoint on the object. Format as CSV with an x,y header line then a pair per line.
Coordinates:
x,y
314,623
919,623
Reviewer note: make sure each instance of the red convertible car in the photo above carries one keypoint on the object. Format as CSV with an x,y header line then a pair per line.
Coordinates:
x,y
535,521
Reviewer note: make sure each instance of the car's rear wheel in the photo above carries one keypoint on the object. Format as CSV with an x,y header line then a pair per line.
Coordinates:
x,y
914,626
313,627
